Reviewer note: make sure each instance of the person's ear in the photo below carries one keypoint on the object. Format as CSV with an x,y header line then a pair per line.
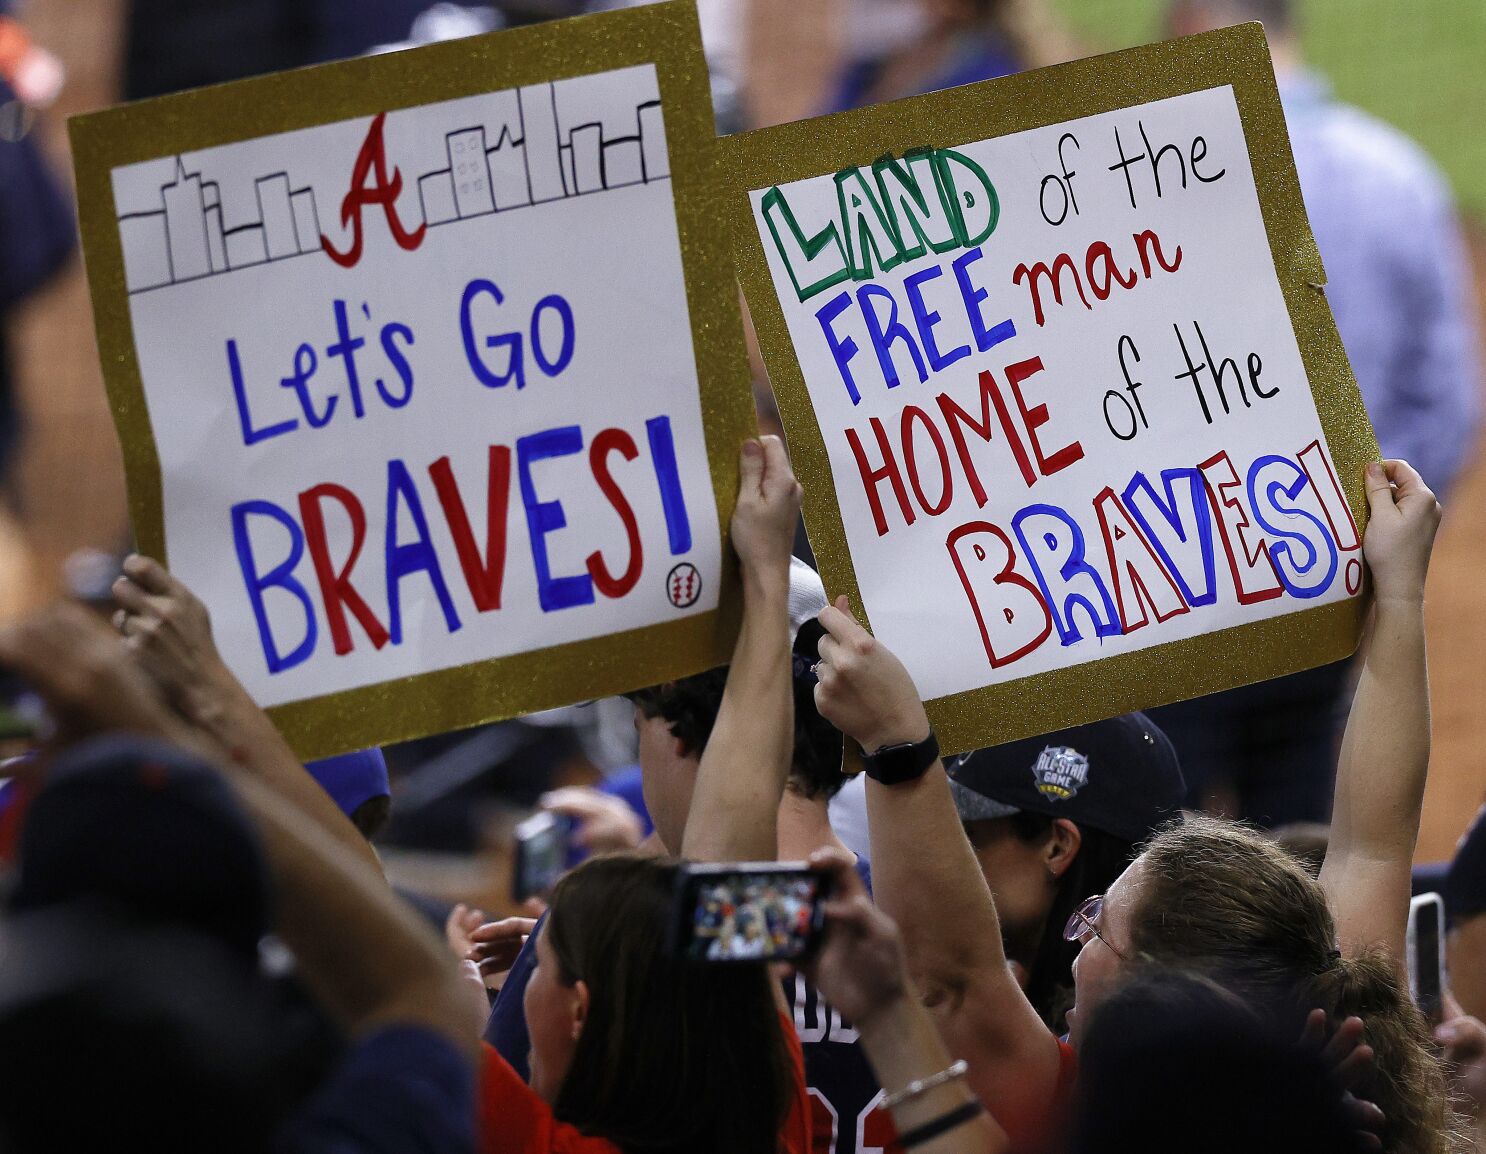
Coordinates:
x,y
580,1007
1064,841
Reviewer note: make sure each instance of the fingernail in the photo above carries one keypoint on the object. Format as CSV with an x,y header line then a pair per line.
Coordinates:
x,y
751,448
1444,1033
1374,468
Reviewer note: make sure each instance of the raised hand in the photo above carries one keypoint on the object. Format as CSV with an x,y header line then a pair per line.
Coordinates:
x,y
768,508
860,968
461,922
863,689
602,823
87,677
494,946
168,627
1404,517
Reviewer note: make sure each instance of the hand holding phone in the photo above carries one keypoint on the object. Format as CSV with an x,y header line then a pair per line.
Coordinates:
x,y
541,855
748,912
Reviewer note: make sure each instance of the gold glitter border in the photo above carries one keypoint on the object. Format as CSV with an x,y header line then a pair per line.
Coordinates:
x,y
1237,56
666,35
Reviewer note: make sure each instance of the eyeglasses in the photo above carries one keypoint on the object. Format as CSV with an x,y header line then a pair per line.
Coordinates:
x,y
1083,925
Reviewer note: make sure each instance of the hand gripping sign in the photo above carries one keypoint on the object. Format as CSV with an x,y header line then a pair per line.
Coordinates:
x,y
1056,365
427,370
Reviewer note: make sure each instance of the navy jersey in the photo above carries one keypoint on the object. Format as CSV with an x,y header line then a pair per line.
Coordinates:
x,y
845,1100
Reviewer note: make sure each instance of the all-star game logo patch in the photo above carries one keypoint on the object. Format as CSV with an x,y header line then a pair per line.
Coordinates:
x,y
1060,772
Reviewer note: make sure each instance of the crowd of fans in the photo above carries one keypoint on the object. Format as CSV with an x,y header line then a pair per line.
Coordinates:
x,y
1040,947
1038,950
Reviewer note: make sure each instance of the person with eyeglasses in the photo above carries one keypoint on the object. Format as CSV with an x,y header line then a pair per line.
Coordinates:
x,y
1053,819
1207,896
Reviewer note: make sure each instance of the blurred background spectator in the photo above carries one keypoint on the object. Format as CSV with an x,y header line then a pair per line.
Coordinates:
x,y
1405,307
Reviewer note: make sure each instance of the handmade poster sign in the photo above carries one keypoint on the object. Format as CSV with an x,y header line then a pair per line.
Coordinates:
x,y
427,370
1057,369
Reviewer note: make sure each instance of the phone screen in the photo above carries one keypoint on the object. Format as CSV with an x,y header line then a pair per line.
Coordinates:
x,y
541,855
751,916
1426,915
23,716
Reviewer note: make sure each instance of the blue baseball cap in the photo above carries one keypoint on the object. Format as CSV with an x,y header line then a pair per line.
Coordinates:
x,y
352,779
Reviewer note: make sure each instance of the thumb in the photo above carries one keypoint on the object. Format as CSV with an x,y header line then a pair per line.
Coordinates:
x,y
1379,490
750,466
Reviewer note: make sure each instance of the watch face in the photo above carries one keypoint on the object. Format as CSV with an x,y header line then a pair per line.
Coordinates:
x,y
900,763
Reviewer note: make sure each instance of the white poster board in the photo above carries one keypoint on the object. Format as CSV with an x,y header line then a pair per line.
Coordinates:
x,y
422,384
1058,381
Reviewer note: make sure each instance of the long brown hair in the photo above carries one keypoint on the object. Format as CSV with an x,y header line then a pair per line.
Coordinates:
x,y
1219,899
674,1055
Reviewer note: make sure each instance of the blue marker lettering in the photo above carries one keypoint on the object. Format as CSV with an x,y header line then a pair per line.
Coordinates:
x,y
668,476
281,576
543,517
1058,535
416,556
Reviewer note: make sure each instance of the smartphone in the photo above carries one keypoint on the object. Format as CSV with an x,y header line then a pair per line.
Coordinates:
x,y
750,912
541,855
1426,954
23,716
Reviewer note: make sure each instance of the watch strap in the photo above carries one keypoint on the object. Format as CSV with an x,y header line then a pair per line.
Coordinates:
x,y
896,764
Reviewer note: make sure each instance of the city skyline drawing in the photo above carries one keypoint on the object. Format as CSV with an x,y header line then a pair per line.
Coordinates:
x,y
187,238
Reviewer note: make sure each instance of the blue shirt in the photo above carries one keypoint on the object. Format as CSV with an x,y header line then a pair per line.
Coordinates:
x,y
401,1090
1397,274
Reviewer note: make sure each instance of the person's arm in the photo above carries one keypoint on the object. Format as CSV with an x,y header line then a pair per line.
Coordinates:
x,y
170,630
926,877
735,806
1385,751
369,958
861,971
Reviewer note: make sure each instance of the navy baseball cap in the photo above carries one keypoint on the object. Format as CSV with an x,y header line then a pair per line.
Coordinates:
x,y
352,779
151,829
1120,776
1465,883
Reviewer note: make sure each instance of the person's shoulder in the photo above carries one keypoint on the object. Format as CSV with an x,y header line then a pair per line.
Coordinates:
x,y
397,1085
1384,152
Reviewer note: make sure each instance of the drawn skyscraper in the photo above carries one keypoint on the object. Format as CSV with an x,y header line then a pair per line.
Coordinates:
x,y
539,136
470,171
588,163
185,226
277,214
653,142
508,172
306,220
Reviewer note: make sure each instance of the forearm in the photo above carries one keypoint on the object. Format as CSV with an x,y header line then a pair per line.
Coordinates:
x,y
919,848
735,806
364,954
1380,780
903,1046
221,707
926,877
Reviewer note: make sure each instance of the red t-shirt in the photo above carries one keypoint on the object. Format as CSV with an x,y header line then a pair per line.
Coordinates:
x,y
515,1120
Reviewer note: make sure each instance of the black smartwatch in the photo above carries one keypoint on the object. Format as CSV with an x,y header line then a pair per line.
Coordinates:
x,y
895,764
